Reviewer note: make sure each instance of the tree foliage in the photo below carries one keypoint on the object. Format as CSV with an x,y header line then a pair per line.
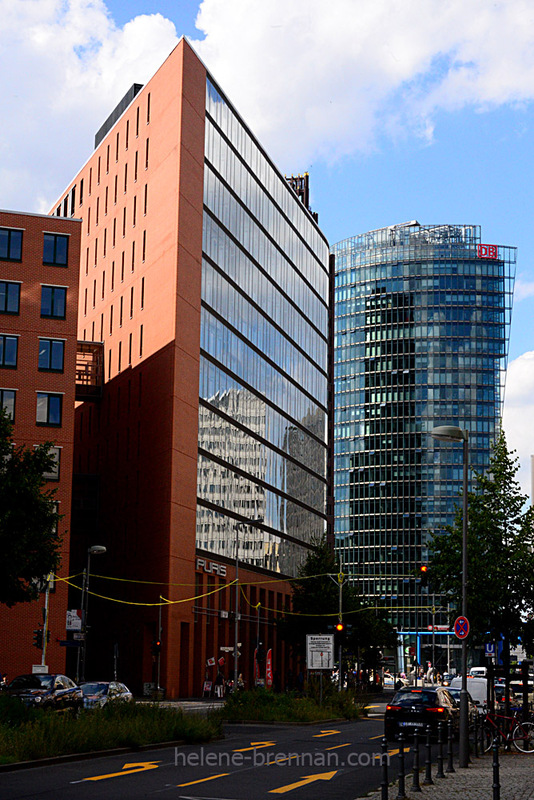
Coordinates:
x,y
500,589
315,608
29,542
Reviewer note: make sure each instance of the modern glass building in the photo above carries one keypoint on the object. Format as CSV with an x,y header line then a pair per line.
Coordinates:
x,y
422,326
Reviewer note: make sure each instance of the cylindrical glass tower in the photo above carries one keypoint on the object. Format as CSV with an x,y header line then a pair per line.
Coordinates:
x,y
422,326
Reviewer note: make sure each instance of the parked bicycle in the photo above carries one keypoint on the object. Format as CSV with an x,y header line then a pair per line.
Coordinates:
x,y
509,730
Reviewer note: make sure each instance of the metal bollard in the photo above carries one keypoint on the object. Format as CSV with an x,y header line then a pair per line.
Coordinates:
x,y
385,783
415,781
428,762
440,773
496,782
401,794
450,765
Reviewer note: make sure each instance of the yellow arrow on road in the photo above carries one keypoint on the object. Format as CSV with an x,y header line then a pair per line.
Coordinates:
x,y
324,733
322,776
393,752
254,746
128,769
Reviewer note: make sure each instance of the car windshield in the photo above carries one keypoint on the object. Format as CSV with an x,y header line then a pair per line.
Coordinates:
x,y
94,688
32,682
409,698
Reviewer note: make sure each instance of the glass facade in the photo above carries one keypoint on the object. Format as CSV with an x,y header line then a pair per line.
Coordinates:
x,y
264,355
421,333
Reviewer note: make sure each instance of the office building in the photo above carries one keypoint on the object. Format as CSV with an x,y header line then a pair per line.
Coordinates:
x,y
422,325
39,270
205,280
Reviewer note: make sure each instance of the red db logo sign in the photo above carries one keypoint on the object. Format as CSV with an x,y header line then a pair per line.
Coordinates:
x,y
487,251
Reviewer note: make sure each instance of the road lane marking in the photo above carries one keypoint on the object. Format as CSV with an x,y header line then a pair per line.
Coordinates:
x,y
337,746
325,733
322,776
128,769
254,746
203,780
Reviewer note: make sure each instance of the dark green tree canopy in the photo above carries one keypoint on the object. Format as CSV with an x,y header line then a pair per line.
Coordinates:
x,y
316,606
500,586
29,541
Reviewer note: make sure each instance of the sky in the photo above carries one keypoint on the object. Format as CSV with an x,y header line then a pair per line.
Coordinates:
x,y
398,109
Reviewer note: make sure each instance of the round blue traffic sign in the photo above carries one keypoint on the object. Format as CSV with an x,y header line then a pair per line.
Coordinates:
x,y
461,627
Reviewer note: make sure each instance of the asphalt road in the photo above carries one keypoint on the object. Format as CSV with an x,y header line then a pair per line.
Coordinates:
x,y
332,761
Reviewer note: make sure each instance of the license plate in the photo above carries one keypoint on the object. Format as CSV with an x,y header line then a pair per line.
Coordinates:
x,y
413,724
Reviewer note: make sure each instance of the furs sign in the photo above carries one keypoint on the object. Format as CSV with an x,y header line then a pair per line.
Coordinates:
x,y
211,567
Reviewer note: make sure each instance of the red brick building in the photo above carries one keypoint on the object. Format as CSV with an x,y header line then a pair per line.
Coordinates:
x,y
206,279
39,272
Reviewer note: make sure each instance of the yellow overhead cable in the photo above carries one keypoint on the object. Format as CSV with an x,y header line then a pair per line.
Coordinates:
x,y
163,583
165,602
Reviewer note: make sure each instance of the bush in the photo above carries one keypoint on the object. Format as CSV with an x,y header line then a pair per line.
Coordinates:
x,y
261,705
121,725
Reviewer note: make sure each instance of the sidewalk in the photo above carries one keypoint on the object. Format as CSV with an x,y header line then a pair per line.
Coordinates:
x,y
516,778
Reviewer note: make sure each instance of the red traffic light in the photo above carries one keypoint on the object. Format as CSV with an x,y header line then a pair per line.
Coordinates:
x,y
340,627
424,568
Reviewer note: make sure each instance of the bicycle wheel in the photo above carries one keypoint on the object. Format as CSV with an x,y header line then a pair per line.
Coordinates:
x,y
523,737
488,734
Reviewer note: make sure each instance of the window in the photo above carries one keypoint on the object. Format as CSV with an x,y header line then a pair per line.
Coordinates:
x,y
51,355
9,297
53,301
52,474
8,350
49,407
10,245
7,401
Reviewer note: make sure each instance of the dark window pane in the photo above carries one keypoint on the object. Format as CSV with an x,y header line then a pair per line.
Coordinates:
x,y
4,243
46,301
13,298
44,354
61,249
54,409
10,351
59,302
16,245
48,249
56,358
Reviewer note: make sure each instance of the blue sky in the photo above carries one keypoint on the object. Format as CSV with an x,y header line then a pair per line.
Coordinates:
x,y
398,109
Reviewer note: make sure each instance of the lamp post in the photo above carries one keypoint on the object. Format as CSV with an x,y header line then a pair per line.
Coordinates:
x,y
450,433
95,550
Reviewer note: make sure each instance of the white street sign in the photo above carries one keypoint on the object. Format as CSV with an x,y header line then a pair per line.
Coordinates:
x,y
320,651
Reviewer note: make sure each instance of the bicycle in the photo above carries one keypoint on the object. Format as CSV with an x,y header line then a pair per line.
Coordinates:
x,y
508,729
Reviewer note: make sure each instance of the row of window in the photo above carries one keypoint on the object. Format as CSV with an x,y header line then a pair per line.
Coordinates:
x,y
49,409
55,247
51,354
53,300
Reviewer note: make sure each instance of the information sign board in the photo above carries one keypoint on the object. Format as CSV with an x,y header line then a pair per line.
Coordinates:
x,y
320,651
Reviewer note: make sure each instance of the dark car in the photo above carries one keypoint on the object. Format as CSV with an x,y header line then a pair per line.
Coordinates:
x,y
414,709
472,708
55,692
98,693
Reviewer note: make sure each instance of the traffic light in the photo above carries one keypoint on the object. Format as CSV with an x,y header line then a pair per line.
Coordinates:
x,y
340,627
38,638
424,574
156,647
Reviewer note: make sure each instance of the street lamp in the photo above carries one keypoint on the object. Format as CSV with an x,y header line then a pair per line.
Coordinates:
x,y
450,433
95,550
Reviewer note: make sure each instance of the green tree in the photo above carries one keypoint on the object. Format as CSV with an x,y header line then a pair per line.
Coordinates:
x,y
315,607
500,589
29,542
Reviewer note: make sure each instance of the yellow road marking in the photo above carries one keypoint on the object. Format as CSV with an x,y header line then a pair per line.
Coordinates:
x,y
203,780
254,746
325,733
323,776
337,746
128,769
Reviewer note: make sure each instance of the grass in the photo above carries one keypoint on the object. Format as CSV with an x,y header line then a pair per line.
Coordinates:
x,y
260,705
28,734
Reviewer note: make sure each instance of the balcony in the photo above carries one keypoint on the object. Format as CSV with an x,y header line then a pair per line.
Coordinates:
x,y
89,371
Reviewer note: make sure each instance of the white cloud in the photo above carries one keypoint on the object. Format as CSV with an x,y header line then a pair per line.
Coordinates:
x,y
519,413
523,289
323,80
314,80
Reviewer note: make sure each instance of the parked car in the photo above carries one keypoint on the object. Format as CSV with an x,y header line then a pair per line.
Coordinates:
x,y
477,688
97,693
472,708
55,692
414,709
